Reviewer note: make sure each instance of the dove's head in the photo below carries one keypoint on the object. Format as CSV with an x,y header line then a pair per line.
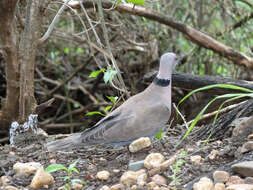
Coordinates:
x,y
168,62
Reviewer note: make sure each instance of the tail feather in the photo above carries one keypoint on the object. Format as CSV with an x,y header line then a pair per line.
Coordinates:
x,y
64,144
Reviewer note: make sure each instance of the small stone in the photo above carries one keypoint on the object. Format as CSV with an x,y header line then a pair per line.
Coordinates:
x,y
134,187
248,180
105,187
248,146
250,136
159,180
76,186
213,154
41,178
234,179
22,169
152,185
139,144
129,178
221,176
196,159
243,168
52,161
219,186
164,188
9,187
4,180
167,163
117,187
116,171
203,184
134,166
153,160
103,175
61,188
156,188
142,179
240,187
12,153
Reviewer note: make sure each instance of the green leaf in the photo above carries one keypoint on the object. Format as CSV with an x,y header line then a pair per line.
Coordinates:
x,y
94,113
55,167
73,164
159,134
76,105
66,50
80,50
94,74
66,178
137,2
112,98
109,75
107,108
74,170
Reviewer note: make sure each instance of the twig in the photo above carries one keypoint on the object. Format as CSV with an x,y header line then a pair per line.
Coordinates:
x,y
209,115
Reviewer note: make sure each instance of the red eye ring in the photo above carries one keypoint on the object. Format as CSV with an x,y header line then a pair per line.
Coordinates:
x,y
175,58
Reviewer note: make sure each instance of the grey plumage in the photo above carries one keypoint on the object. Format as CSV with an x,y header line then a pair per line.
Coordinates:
x,y
141,115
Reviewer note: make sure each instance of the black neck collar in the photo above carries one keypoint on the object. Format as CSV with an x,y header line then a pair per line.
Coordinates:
x,y
161,82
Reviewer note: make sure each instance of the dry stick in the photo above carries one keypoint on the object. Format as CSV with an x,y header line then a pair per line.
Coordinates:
x,y
194,35
209,115
63,125
51,27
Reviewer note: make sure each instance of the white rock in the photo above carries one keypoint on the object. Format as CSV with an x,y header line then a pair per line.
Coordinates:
x,y
142,179
204,184
196,159
221,176
4,180
9,187
219,186
159,180
129,178
41,178
240,187
153,160
76,186
139,144
22,169
105,187
234,179
117,187
103,175
244,168
213,154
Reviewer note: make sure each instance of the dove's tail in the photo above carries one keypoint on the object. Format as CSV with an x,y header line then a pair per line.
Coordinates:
x,y
64,144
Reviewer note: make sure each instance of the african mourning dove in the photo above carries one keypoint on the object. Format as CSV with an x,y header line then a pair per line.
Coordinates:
x,y
142,115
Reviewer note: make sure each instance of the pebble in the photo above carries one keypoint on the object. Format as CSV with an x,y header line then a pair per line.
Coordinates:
x,y
76,186
9,187
213,154
41,178
129,178
219,186
117,187
23,169
220,176
142,179
234,179
103,175
105,187
116,171
151,185
139,144
250,136
4,180
240,187
248,146
204,184
248,180
196,159
159,180
153,160
134,166
243,168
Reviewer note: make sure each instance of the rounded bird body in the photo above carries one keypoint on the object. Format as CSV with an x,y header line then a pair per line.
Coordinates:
x,y
141,115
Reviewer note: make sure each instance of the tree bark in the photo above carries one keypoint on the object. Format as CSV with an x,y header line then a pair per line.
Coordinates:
x,y
8,38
